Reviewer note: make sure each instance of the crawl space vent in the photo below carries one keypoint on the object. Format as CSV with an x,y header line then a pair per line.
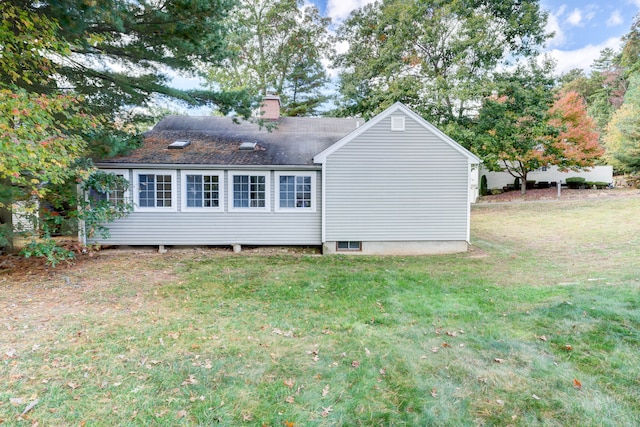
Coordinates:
x,y
179,144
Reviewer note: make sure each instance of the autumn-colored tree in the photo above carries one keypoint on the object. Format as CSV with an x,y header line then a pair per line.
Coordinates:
x,y
576,143
622,138
521,129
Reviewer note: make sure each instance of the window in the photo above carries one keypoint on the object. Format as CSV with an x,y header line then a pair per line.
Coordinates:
x,y
201,190
295,192
155,190
348,246
249,191
115,196
397,123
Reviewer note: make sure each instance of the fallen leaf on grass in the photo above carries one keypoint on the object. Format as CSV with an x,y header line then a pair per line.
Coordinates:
x,y
16,401
446,345
542,338
535,397
434,393
577,384
73,386
567,347
190,380
355,364
289,399
289,424
498,360
325,411
289,382
435,349
181,414
325,390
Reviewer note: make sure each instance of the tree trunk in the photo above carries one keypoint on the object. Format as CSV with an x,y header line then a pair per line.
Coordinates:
x,y
523,184
6,218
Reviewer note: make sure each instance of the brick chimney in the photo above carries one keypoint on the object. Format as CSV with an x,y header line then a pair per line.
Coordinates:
x,y
270,107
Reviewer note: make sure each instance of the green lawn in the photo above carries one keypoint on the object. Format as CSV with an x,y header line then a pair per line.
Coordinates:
x,y
538,325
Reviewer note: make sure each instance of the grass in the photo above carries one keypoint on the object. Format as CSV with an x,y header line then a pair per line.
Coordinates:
x,y
538,325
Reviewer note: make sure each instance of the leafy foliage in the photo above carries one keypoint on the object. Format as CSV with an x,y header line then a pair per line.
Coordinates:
x,y
277,47
622,139
436,57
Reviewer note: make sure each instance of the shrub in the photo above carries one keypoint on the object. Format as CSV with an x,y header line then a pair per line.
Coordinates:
x,y
598,184
530,184
483,185
575,182
516,183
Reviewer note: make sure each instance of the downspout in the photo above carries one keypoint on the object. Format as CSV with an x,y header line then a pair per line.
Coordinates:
x,y
323,214
82,232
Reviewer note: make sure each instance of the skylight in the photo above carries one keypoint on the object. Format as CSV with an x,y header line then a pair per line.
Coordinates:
x,y
179,144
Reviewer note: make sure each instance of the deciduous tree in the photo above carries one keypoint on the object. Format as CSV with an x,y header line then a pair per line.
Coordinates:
x,y
622,138
438,57
277,46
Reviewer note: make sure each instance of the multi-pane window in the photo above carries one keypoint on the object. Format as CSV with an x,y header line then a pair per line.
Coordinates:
x,y
115,196
203,191
249,191
155,190
295,191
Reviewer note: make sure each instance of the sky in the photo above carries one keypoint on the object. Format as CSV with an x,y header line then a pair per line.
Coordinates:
x,y
582,28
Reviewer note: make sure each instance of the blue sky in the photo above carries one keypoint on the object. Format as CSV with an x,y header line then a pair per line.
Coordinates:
x,y
582,28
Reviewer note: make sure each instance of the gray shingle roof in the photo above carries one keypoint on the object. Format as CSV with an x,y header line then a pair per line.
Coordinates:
x,y
216,141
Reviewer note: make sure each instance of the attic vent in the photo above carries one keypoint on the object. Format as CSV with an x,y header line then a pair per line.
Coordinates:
x,y
179,144
397,123
248,146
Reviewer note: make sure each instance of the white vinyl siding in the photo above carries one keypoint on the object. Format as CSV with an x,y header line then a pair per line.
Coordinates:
x,y
202,190
382,187
155,190
222,227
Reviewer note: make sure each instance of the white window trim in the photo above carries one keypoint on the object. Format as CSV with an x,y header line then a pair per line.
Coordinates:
x,y
125,175
136,190
276,186
397,123
267,191
183,186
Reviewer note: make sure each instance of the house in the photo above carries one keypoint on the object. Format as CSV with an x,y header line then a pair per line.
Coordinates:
x,y
392,185
550,175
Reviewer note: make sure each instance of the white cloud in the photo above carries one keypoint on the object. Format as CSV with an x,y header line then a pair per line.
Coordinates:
x,y
575,18
615,19
553,26
581,58
338,10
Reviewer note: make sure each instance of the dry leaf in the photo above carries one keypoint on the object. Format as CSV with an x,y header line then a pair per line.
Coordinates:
x,y
567,347
435,349
445,345
288,382
247,417
325,390
500,402
434,393
181,414
535,397
451,334
542,338
73,386
289,424
289,399
382,371
577,384
325,411
16,401
190,380
355,364
498,360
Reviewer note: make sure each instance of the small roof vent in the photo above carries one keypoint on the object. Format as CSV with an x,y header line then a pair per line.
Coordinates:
x,y
179,144
248,146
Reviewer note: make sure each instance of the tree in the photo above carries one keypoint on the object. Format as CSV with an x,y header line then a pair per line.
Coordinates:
x,y
622,138
277,46
120,55
522,128
436,57
576,144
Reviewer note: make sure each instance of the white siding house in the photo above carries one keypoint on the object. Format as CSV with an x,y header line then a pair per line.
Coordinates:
x,y
393,185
